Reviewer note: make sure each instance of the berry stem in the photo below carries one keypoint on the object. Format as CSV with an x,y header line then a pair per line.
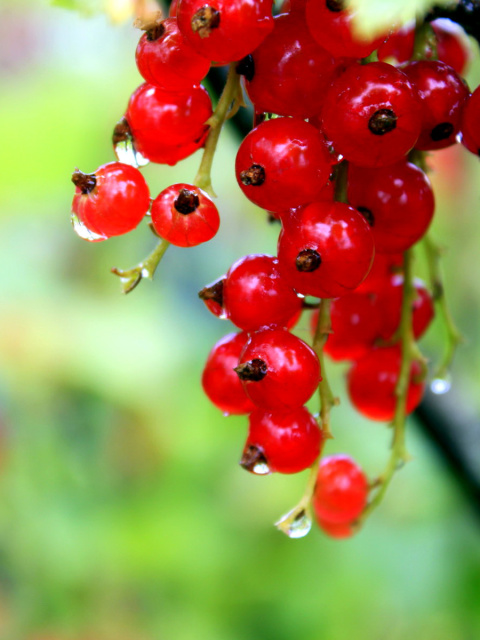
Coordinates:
x,y
425,44
327,399
231,94
302,511
399,454
130,278
454,337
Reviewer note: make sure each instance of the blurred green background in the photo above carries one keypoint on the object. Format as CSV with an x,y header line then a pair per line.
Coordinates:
x,y
123,512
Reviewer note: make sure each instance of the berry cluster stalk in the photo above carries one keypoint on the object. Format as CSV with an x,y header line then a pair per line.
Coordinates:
x,y
228,103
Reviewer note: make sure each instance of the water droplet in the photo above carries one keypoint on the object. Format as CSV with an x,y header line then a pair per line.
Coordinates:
x,y
126,153
261,469
295,524
84,232
439,386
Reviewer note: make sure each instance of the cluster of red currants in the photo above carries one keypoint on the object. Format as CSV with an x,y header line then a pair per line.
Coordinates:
x,y
337,156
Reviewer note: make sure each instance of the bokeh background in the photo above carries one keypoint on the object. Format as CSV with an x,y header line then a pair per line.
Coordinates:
x,y
123,512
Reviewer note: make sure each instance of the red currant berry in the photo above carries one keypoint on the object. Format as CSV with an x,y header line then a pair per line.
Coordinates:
x,y
219,380
372,381
331,24
172,12
325,249
355,326
255,294
184,215
388,304
341,490
166,60
278,370
397,201
225,30
168,127
111,201
293,6
372,114
452,45
212,295
471,123
384,265
443,94
336,530
281,441
290,72
282,163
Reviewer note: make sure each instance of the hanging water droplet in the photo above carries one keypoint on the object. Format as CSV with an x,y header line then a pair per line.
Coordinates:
x,y
84,232
126,153
261,468
439,386
295,524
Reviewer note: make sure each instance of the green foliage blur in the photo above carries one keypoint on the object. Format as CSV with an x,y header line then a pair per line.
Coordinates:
x,y
123,512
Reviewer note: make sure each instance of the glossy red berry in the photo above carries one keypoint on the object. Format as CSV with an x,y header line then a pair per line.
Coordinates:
x,y
325,249
184,215
470,125
290,72
397,201
293,6
165,59
355,322
168,127
282,441
452,45
336,530
225,30
372,114
278,370
383,267
255,294
372,381
282,163
341,490
388,304
219,380
331,23
111,201
212,296
443,94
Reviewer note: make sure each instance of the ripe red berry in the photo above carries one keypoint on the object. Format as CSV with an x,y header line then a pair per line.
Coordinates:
x,y
384,265
372,381
452,45
372,114
336,530
341,490
443,94
290,72
388,307
282,163
219,380
225,30
111,201
471,123
278,370
255,294
282,441
184,215
397,201
168,127
165,59
355,322
331,23
325,249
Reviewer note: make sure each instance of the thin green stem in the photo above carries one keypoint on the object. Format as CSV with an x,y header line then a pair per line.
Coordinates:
x,y
130,278
231,95
453,335
300,517
399,455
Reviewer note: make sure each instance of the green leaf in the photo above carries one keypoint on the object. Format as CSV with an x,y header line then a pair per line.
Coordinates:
x,y
376,16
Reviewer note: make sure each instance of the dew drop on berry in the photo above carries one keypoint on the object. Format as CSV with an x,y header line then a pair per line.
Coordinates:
x,y
84,232
295,524
126,153
440,386
261,469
